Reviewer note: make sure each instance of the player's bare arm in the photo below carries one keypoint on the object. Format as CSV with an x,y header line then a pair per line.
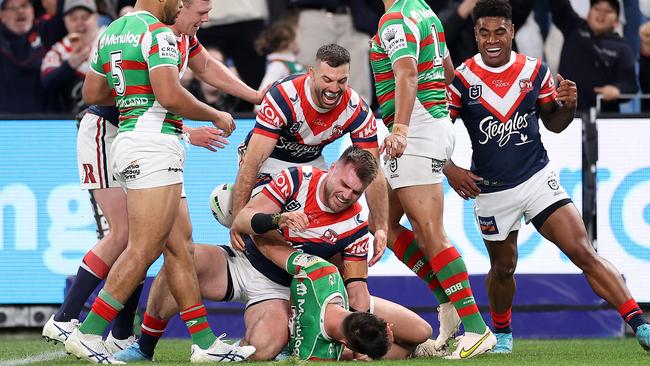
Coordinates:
x,y
558,114
215,73
449,70
258,150
462,180
378,205
96,90
406,87
355,274
172,96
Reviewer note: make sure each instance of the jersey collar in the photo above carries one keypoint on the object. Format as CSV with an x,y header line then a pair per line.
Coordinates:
x,y
481,64
319,186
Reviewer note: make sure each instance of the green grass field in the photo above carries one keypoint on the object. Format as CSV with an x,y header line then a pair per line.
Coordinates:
x,y
29,349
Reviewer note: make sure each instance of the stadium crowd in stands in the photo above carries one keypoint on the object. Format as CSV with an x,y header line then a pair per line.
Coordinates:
x,y
42,52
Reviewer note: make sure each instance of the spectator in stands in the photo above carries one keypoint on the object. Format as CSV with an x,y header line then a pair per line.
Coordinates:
x,y
23,43
278,43
644,63
348,23
459,27
65,65
597,59
233,26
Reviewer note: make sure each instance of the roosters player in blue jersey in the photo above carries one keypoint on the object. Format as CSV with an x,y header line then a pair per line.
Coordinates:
x,y
499,95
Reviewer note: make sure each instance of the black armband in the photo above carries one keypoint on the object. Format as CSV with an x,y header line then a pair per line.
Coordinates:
x,y
350,280
262,222
358,311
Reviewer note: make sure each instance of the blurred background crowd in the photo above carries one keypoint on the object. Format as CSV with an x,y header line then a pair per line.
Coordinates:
x,y
602,45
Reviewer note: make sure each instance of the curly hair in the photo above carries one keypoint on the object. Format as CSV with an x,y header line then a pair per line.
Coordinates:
x,y
492,8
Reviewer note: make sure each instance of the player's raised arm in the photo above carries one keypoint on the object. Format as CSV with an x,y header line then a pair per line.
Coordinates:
x,y
558,113
215,73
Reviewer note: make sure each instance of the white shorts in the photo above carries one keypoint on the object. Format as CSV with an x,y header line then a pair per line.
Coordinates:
x,y
249,285
147,159
412,170
499,213
430,137
429,146
94,141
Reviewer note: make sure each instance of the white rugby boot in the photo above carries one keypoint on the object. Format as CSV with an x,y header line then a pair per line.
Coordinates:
x,y
90,347
449,323
221,351
58,331
473,344
115,345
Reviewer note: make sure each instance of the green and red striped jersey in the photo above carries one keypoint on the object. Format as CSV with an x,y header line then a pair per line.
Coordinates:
x,y
410,29
316,283
126,52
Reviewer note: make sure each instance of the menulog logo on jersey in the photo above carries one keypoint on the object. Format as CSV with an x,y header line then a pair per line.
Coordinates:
x,y
127,38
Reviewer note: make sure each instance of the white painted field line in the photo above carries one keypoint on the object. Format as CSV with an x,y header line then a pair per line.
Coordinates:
x,y
48,356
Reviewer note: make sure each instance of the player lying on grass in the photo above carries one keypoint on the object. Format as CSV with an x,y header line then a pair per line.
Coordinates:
x,y
335,225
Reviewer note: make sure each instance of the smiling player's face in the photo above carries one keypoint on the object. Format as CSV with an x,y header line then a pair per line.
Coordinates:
x,y
494,37
193,14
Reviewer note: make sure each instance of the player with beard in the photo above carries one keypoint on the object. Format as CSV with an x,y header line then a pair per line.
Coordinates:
x,y
136,67
510,176
299,116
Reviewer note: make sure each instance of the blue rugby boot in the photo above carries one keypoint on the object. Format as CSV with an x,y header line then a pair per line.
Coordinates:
x,y
504,343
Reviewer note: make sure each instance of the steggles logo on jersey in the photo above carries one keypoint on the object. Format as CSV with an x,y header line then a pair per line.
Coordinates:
x,y
296,149
475,91
495,129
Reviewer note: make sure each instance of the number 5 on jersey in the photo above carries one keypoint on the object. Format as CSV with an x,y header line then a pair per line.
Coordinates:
x,y
118,74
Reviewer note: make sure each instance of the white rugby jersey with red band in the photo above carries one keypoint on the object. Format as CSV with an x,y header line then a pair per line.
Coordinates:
x,y
499,107
302,129
328,233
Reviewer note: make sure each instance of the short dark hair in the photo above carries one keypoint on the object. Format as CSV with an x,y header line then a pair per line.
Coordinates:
x,y
367,334
492,8
613,3
333,55
363,161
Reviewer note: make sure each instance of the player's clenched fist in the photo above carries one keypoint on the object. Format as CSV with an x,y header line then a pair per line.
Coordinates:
x,y
567,92
295,220
225,122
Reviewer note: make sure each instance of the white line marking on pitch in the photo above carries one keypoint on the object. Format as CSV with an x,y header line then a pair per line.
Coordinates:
x,y
49,356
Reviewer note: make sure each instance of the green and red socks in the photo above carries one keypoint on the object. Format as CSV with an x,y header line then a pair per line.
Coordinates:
x,y
632,314
102,313
452,274
408,251
502,321
196,320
